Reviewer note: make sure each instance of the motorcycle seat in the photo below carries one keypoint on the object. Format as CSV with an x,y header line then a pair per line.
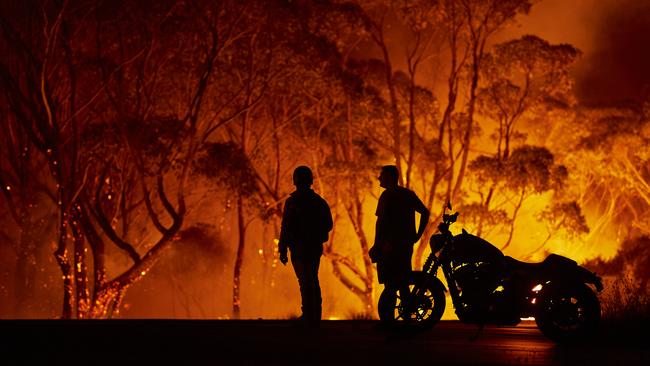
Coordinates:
x,y
515,266
553,264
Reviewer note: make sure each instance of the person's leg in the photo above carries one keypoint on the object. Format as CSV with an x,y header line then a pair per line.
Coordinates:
x,y
300,267
310,289
403,293
398,269
316,300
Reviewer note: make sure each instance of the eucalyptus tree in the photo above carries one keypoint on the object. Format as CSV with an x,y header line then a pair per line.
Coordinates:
x,y
119,115
525,79
467,28
528,171
606,149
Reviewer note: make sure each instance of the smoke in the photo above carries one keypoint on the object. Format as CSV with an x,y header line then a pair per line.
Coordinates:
x,y
616,69
611,34
632,257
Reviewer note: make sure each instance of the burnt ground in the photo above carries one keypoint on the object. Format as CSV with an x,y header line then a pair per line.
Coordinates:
x,y
277,342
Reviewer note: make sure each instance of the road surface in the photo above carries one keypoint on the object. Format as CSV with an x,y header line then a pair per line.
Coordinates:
x,y
268,342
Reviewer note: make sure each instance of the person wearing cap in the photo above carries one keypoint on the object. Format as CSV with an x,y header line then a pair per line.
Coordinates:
x,y
306,223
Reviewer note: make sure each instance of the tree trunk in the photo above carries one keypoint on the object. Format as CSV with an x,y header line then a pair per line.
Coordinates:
x,y
486,207
108,300
411,152
514,218
393,104
467,138
61,256
82,304
355,212
370,271
424,241
236,285
25,271
364,294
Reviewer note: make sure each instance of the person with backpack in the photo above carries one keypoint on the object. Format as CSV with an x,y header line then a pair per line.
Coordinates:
x,y
306,223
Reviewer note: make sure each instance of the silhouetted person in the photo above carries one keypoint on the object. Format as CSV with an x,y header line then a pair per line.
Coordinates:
x,y
395,230
306,222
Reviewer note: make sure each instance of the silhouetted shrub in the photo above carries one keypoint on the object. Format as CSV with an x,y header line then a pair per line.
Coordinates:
x,y
624,300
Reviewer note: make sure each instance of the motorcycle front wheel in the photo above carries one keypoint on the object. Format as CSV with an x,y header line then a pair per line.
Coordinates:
x,y
422,308
569,314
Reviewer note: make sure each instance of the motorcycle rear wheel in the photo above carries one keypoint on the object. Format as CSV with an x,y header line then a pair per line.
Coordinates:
x,y
569,314
422,312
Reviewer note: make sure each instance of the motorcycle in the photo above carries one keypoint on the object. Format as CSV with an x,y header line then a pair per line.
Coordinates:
x,y
487,287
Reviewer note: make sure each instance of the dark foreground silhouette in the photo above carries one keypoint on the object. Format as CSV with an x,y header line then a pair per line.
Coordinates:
x,y
487,287
306,222
207,342
395,232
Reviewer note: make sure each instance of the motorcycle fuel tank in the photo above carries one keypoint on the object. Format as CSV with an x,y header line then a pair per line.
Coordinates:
x,y
470,248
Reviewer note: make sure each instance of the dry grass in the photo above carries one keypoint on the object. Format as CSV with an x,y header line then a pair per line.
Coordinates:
x,y
360,315
624,300
625,306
